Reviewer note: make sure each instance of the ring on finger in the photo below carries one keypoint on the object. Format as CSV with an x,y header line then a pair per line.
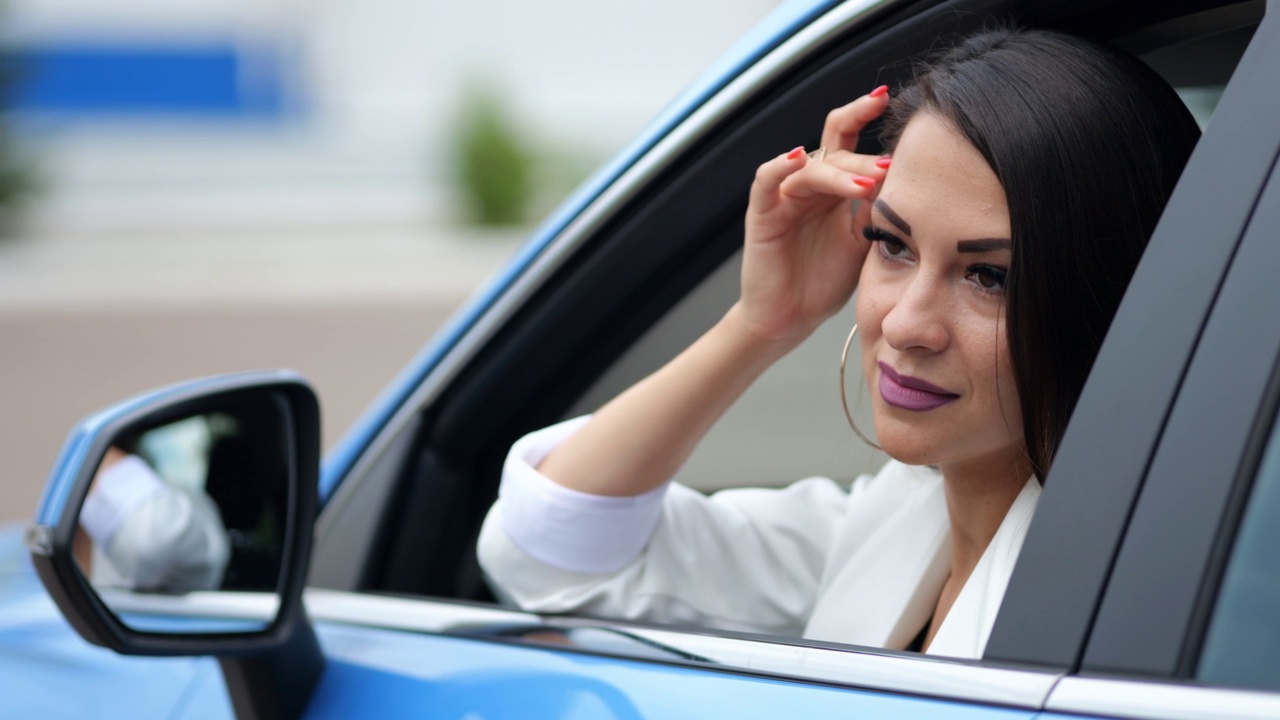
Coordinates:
x,y
820,154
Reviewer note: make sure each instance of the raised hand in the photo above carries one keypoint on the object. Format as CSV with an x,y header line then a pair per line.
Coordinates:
x,y
803,251
801,263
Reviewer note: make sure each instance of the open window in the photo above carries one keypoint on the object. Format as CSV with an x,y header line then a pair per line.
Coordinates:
x,y
656,266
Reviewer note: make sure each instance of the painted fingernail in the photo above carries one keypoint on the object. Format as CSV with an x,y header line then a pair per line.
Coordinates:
x,y
883,162
863,181
795,153
883,89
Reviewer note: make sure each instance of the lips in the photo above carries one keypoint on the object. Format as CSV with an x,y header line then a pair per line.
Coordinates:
x,y
909,393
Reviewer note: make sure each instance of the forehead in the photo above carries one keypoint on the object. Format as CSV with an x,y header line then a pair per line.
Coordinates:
x,y
942,185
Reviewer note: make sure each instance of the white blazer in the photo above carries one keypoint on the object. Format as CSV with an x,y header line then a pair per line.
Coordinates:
x,y
863,567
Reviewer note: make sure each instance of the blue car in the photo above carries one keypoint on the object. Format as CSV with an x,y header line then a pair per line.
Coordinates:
x,y
1148,586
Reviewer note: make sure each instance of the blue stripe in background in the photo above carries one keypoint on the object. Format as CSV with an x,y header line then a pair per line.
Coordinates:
x,y
216,80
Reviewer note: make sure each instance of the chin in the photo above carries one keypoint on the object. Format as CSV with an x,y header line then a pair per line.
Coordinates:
x,y
906,446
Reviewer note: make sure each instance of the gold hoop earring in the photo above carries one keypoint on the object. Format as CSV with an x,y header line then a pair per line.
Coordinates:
x,y
844,357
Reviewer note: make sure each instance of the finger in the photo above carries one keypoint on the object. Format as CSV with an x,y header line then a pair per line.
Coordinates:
x,y
873,166
824,179
769,176
844,123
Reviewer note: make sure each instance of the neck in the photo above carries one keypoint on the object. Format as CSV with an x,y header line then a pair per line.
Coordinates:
x,y
980,492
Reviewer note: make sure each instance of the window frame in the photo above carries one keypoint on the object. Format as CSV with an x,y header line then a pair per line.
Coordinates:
x,y
1183,527
468,375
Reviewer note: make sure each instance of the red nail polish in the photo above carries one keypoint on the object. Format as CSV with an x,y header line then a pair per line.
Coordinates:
x,y
883,89
795,153
863,181
883,162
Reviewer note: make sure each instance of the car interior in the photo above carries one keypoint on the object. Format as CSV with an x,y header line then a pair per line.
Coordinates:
x,y
662,269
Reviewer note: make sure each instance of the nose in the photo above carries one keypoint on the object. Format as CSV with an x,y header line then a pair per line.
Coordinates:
x,y
917,320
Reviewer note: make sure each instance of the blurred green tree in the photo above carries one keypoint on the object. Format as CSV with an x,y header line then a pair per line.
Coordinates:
x,y
17,174
493,164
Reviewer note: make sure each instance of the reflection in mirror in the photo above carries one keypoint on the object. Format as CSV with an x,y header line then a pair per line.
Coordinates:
x,y
183,527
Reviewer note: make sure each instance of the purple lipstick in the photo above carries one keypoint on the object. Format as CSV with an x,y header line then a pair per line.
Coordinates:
x,y
908,393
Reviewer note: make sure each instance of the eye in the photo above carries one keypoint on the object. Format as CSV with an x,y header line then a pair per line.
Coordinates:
x,y
890,245
988,278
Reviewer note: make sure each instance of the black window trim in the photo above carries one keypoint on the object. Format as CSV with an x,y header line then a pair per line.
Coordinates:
x,y
1152,617
1185,522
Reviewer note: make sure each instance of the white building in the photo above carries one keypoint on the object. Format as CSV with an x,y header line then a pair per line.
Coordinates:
x,y
329,110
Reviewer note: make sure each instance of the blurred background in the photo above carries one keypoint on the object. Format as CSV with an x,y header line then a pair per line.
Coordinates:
x,y
208,186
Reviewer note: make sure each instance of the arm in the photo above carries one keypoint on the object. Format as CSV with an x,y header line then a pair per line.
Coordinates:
x,y
769,550
155,536
637,441
801,260
175,542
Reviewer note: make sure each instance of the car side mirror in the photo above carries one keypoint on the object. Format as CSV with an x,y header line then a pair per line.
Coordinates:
x,y
180,523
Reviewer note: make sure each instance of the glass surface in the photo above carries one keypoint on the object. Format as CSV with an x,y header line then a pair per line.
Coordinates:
x,y
183,528
1242,646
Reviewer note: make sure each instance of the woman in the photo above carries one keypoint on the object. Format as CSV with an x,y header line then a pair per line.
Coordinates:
x,y
990,247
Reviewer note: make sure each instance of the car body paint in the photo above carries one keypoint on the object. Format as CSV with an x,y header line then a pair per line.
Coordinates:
x,y
47,670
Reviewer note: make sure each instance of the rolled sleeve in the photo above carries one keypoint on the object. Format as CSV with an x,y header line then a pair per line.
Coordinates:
x,y
567,529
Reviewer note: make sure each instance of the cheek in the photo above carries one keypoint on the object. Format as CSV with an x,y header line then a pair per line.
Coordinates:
x,y
871,302
1001,386
870,308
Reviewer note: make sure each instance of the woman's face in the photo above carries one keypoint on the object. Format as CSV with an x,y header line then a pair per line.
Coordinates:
x,y
931,305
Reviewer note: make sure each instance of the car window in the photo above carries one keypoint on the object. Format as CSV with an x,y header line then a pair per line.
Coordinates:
x,y
1242,646
1198,65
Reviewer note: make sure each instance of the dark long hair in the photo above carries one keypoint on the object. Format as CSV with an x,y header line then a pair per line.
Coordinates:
x,y
1088,144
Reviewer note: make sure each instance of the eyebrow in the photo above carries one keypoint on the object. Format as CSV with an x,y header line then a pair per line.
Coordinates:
x,y
894,218
984,245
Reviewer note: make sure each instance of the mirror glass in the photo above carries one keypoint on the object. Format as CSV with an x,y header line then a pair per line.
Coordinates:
x,y
183,527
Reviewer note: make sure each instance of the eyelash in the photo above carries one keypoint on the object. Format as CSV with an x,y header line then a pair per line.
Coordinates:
x,y
876,235
973,273
999,275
